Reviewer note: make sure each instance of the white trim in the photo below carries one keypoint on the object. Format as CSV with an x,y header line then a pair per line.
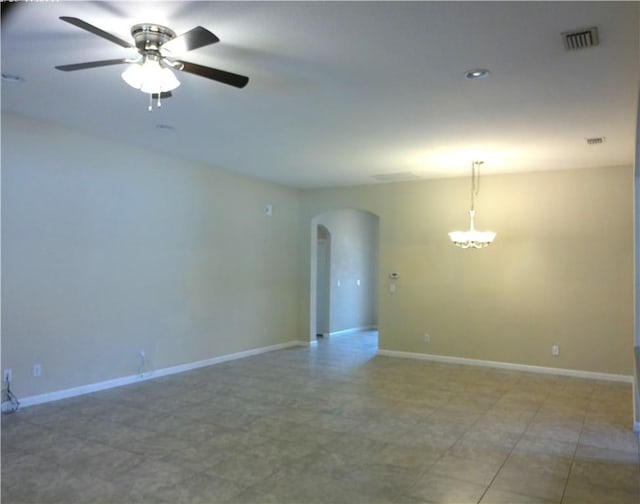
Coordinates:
x,y
304,343
508,365
126,380
352,329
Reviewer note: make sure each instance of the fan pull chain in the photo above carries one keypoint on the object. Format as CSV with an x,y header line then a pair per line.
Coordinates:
x,y
158,103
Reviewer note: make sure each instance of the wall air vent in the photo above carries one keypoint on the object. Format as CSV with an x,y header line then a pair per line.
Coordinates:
x,y
580,39
595,140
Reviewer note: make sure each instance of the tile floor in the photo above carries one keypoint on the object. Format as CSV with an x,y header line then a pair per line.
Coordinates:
x,y
332,423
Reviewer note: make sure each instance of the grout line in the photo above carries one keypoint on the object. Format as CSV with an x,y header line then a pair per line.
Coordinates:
x,y
573,458
513,448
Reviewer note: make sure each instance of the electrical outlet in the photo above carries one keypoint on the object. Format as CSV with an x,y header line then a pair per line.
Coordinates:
x,y
555,350
37,370
7,375
426,338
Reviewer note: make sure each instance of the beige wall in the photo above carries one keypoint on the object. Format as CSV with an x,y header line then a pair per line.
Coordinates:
x,y
560,271
108,249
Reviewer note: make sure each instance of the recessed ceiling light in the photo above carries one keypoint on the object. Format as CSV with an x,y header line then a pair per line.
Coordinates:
x,y
476,74
7,77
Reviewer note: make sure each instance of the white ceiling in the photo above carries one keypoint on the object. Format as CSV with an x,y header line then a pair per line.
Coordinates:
x,y
342,91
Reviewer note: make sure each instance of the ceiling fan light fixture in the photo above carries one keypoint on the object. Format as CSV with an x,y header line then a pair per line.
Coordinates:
x,y
150,77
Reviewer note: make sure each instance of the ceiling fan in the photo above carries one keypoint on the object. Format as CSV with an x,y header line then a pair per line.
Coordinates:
x,y
150,71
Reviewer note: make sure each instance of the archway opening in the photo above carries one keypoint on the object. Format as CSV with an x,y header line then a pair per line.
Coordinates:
x,y
323,281
344,273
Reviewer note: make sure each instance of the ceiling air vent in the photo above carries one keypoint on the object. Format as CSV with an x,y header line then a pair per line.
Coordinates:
x,y
595,140
580,39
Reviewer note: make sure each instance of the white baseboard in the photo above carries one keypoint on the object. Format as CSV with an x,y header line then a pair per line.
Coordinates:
x,y
353,329
126,380
507,365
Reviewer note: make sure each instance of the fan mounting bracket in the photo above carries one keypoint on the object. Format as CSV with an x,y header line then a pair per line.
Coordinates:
x,y
151,37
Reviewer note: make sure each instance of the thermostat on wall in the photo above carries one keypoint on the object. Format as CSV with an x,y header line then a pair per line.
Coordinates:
x,y
394,276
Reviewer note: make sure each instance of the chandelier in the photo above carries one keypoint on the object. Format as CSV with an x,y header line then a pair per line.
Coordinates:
x,y
473,238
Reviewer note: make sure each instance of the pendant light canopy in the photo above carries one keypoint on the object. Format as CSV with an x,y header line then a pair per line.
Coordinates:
x,y
473,238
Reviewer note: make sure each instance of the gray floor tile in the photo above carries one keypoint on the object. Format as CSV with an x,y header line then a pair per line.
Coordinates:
x,y
443,489
579,492
333,423
200,489
501,497
480,468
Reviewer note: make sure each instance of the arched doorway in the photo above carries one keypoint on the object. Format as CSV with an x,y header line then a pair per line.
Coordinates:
x,y
323,281
344,272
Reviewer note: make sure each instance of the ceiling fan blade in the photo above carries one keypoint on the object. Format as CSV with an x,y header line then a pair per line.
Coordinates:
x,y
96,31
193,39
92,64
6,8
229,78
